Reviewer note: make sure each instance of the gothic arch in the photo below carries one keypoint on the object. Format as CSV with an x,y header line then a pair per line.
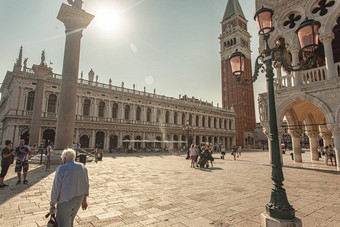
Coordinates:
x,y
289,102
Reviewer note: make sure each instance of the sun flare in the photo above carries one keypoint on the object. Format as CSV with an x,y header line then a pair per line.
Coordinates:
x,y
109,19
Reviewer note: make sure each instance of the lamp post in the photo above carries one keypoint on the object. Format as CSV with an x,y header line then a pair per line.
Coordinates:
x,y
278,207
187,128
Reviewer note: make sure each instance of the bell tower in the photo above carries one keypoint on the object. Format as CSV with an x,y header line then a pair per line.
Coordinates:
x,y
235,36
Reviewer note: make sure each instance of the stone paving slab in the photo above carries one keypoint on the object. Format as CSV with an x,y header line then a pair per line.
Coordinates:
x,y
162,190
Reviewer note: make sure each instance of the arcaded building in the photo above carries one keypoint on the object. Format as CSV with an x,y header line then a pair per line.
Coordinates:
x,y
109,116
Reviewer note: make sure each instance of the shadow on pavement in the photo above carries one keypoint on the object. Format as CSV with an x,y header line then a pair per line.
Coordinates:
x,y
317,170
33,177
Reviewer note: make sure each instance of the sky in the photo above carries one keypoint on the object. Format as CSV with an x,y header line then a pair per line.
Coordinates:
x,y
170,45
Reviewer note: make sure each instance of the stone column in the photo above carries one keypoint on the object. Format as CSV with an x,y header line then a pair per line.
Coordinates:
x,y
93,139
120,139
41,72
295,134
77,135
313,143
327,138
107,140
336,136
294,50
143,138
327,39
75,20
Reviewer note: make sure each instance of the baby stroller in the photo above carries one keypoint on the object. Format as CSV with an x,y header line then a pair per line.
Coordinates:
x,y
205,156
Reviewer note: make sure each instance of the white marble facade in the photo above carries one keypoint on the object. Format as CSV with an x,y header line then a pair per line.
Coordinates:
x,y
106,115
309,100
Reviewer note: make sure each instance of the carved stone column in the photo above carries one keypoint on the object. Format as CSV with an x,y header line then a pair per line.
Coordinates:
x,y
93,139
294,50
75,20
313,143
327,138
41,72
336,136
327,39
295,134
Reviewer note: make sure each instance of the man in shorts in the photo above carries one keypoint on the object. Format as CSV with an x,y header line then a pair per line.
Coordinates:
x,y
22,151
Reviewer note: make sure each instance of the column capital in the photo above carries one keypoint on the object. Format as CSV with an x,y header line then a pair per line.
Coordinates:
x,y
312,133
334,128
295,132
41,71
326,135
327,37
294,48
74,18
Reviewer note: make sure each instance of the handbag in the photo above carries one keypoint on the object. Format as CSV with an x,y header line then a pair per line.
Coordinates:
x,y
52,222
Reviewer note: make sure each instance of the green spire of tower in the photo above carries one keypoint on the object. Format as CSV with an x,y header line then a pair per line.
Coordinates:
x,y
233,7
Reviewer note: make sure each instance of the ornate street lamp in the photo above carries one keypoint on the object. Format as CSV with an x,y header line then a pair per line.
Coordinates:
x,y
307,32
187,128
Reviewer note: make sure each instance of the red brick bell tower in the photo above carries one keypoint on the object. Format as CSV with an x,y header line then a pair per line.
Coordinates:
x,y
241,98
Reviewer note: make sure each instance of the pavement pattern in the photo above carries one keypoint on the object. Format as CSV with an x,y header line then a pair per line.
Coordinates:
x,y
162,190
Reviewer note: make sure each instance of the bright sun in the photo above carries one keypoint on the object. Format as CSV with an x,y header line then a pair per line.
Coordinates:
x,y
109,19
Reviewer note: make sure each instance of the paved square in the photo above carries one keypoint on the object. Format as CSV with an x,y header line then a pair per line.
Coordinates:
x,y
162,190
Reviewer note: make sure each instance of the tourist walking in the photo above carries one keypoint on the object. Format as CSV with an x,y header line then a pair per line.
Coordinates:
x,y
326,150
193,155
70,189
332,154
22,151
234,151
49,150
7,156
222,152
239,149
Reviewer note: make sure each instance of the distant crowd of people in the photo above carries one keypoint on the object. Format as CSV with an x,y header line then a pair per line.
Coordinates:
x,y
329,154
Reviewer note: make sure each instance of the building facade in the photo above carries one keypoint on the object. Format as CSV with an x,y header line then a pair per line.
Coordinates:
x,y
109,116
235,36
308,100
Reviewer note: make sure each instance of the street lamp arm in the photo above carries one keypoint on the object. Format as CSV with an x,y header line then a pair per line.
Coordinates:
x,y
290,68
259,66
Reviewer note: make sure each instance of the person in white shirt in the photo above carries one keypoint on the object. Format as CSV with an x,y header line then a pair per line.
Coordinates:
x,y
48,156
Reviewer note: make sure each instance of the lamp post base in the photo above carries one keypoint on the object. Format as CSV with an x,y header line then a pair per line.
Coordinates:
x,y
267,221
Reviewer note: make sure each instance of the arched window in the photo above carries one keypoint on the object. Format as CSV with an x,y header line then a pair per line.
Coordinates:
x,y
30,100
138,113
209,122
234,41
127,112
175,118
101,109
158,116
203,121
229,124
86,107
214,122
167,115
190,119
220,123
52,103
148,115
197,120
183,118
115,111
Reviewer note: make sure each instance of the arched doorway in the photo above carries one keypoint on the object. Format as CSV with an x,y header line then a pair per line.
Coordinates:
x,y
48,136
84,141
113,141
25,136
126,141
198,140
158,144
138,143
99,143
183,139
175,141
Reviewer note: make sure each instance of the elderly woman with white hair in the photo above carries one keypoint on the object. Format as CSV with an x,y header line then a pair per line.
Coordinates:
x,y
70,189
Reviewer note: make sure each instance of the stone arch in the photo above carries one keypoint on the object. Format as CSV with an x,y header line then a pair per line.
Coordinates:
x,y
84,141
48,136
337,116
330,19
290,101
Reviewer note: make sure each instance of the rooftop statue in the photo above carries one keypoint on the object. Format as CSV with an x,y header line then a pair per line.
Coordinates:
x,y
76,3
42,63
